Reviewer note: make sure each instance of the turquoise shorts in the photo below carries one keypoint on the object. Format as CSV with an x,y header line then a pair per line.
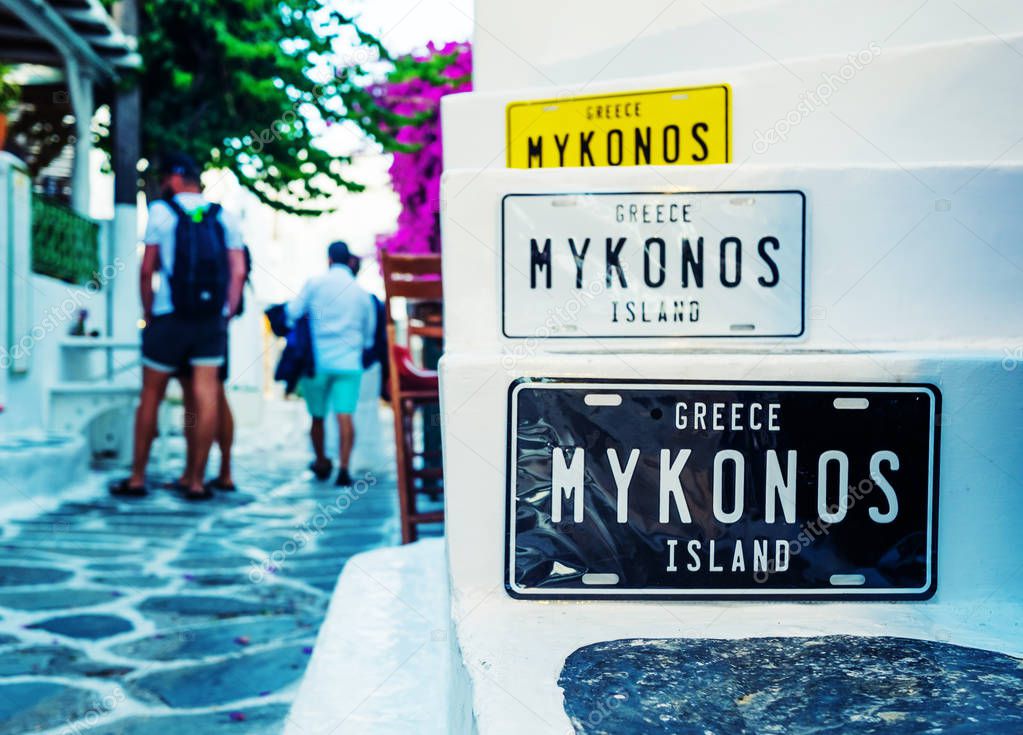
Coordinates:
x,y
331,392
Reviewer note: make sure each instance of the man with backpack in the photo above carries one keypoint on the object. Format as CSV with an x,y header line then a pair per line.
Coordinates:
x,y
195,250
224,439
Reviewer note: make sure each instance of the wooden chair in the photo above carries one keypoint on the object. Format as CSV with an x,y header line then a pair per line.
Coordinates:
x,y
417,279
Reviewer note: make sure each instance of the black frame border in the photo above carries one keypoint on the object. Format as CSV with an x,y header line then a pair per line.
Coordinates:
x,y
509,517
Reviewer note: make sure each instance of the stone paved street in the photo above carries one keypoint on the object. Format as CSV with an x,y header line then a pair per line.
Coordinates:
x,y
164,616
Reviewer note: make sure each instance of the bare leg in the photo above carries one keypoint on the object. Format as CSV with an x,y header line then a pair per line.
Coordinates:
x,y
188,427
204,391
316,435
225,437
154,385
346,428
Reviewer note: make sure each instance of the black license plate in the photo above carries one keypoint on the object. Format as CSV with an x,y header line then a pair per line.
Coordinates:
x,y
678,490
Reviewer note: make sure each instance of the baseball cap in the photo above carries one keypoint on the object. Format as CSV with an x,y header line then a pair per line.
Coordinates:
x,y
338,252
179,163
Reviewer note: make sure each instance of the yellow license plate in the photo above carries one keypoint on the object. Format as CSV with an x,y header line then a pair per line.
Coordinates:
x,y
663,127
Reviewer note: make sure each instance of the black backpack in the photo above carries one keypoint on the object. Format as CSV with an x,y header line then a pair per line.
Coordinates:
x,y
198,282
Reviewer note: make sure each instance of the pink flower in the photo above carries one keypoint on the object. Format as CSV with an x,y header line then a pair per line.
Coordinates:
x,y
415,87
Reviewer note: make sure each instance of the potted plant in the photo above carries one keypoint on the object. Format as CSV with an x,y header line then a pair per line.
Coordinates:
x,y
10,94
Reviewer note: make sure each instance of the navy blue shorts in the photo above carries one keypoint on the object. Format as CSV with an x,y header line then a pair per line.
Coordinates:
x,y
171,344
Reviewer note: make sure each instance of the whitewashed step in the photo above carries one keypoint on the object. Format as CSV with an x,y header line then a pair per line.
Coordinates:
x,y
897,257
538,43
36,465
513,652
952,101
979,473
380,664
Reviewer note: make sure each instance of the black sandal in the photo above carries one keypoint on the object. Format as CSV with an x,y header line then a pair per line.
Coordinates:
x,y
124,489
323,471
204,494
221,486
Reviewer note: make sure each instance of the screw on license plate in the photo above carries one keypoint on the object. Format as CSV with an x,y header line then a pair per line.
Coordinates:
x,y
851,403
602,399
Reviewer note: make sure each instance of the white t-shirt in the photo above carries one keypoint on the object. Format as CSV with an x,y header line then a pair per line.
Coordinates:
x,y
160,233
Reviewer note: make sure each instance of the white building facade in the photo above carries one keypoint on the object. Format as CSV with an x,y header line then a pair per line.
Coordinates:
x,y
892,130
899,125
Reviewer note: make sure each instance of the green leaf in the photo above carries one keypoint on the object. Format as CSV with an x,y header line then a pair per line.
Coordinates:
x,y
231,82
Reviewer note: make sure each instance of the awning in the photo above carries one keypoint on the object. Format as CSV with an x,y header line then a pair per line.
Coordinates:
x,y
49,32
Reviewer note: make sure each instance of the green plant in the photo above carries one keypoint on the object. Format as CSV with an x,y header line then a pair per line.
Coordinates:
x,y
10,93
250,85
65,245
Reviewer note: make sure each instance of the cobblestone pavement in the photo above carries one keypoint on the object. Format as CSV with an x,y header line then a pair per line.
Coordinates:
x,y
163,616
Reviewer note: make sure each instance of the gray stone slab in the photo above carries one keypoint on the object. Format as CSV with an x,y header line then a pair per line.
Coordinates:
x,y
115,566
12,576
335,558
156,516
296,569
327,584
197,547
127,582
357,539
214,639
264,539
94,537
85,551
838,684
65,516
31,706
214,606
91,627
152,532
233,679
57,599
208,538
13,554
223,560
55,660
265,720
218,579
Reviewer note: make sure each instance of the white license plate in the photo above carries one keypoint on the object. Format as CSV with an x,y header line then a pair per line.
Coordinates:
x,y
687,264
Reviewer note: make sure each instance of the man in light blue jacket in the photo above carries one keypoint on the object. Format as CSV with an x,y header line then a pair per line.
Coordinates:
x,y
342,321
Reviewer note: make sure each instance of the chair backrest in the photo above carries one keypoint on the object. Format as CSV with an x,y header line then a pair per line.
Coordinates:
x,y
415,277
